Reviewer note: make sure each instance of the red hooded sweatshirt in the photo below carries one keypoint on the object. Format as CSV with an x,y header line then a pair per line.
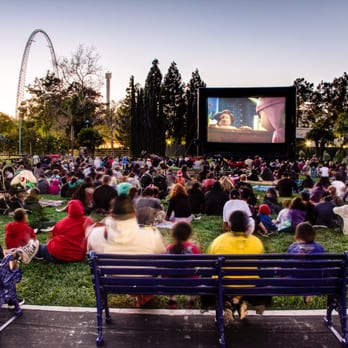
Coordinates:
x,y
18,234
68,241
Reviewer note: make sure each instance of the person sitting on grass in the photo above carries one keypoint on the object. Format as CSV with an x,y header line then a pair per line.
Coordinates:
x,y
305,244
181,233
18,233
37,218
67,242
267,227
120,233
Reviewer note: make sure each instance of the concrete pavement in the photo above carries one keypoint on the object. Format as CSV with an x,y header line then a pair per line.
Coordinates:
x,y
43,327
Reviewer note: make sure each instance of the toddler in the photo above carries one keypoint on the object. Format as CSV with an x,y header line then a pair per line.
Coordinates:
x,y
181,233
305,244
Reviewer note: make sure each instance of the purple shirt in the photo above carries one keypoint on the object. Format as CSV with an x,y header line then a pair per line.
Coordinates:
x,y
305,248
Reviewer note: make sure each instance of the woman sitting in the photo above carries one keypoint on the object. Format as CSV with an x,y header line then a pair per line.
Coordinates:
x,y
179,208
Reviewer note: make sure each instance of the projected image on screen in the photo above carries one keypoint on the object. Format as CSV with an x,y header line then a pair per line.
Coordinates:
x,y
246,119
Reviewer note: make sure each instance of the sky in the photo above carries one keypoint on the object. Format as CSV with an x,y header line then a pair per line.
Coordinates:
x,y
233,43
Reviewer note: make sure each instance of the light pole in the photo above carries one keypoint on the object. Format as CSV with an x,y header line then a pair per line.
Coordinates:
x,y
108,76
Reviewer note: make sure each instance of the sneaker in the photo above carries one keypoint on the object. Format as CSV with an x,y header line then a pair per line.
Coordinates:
x,y
228,317
259,309
11,305
28,251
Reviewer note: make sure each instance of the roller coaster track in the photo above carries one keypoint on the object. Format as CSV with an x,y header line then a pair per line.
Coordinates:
x,y
22,72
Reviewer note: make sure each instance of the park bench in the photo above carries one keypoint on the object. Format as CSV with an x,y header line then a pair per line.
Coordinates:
x,y
220,275
8,279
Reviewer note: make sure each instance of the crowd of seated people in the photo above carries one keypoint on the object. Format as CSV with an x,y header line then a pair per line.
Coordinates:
x,y
117,192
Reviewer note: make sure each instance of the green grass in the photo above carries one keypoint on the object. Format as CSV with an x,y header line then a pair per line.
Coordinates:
x,y
70,284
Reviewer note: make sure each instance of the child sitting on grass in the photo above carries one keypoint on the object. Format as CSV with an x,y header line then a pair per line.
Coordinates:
x,y
181,233
305,244
266,225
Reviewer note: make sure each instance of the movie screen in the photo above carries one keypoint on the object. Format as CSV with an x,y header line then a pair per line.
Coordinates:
x,y
253,119
245,120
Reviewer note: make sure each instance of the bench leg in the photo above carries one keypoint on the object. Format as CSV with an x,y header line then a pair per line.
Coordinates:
x,y
106,308
334,303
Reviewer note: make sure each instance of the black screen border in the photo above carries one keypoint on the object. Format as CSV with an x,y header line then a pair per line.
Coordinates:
x,y
240,149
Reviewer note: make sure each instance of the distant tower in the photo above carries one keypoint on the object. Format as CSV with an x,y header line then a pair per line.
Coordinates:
x,y
22,72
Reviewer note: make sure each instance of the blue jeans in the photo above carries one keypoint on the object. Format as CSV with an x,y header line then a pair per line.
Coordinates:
x,y
44,253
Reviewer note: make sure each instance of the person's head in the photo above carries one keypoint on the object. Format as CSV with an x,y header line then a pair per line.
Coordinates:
x,y
20,215
326,197
75,208
226,183
305,196
178,190
296,203
133,192
271,192
239,221
332,190
181,231
34,193
224,118
106,180
122,207
304,232
264,209
235,194
242,177
179,173
245,192
216,186
151,191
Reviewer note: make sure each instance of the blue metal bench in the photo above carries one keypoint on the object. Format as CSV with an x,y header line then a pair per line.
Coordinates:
x,y
8,279
220,275
151,274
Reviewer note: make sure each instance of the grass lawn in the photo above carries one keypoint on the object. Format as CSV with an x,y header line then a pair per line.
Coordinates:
x,y
44,283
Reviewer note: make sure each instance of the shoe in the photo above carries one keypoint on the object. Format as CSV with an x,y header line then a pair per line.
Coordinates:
x,y
48,229
243,310
141,300
28,251
228,317
259,309
172,304
11,305
190,304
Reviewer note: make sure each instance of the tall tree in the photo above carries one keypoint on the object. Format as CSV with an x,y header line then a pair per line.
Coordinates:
x,y
154,120
81,75
174,105
43,123
192,111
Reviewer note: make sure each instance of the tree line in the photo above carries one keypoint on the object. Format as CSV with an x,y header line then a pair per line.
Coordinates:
x,y
66,112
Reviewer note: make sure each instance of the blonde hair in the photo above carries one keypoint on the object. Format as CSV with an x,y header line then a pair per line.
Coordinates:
x,y
226,183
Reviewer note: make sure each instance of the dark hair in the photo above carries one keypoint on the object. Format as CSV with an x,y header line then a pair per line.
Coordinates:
x,y
305,231
239,221
305,196
235,194
181,232
19,214
122,207
296,203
